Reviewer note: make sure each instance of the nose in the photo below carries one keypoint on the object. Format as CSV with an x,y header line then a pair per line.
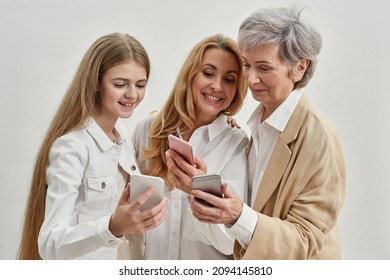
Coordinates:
x,y
131,92
253,78
216,86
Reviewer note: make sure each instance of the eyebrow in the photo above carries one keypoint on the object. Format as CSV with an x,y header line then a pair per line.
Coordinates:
x,y
257,61
127,80
215,68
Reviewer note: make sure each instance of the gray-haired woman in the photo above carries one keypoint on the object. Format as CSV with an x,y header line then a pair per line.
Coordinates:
x,y
296,165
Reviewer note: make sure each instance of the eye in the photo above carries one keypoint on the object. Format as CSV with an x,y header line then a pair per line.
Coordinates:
x,y
121,85
230,80
208,74
246,66
141,86
263,68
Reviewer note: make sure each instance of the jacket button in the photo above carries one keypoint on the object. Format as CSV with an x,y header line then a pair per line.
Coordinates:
x,y
103,185
133,167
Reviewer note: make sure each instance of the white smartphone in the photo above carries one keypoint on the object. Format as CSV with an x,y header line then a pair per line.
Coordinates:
x,y
183,148
140,183
210,183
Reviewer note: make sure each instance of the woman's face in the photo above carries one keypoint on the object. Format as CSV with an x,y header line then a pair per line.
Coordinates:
x,y
122,88
215,84
268,77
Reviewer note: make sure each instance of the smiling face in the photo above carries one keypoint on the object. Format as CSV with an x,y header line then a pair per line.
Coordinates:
x,y
215,84
122,88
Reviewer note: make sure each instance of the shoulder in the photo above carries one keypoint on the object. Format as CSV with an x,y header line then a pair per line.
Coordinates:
x,y
146,122
316,130
140,136
73,143
234,133
319,124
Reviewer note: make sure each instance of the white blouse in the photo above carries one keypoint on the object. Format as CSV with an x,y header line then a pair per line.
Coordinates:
x,y
181,236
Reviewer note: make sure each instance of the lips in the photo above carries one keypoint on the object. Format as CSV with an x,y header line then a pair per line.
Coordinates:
x,y
258,90
127,105
212,98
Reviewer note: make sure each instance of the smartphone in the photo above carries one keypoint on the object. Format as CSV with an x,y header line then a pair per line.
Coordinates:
x,y
210,183
183,148
140,183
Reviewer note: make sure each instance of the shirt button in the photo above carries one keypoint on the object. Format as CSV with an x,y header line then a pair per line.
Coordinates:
x,y
133,167
103,185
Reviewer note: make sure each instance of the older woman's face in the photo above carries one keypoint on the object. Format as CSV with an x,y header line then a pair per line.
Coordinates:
x,y
268,77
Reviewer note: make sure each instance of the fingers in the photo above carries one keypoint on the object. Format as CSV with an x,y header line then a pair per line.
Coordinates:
x,y
226,210
210,198
180,163
226,191
204,213
200,165
124,199
136,204
181,175
232,121
154,216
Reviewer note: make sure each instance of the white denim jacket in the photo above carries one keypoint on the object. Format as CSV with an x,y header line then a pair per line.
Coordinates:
x,y
82,193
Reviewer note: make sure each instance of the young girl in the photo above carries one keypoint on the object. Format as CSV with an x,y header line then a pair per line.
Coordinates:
x,y
86,159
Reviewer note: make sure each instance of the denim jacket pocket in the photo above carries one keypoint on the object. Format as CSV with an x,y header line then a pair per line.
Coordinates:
x,y
100,195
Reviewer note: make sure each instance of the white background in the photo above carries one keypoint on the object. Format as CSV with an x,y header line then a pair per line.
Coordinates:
x,y
43,41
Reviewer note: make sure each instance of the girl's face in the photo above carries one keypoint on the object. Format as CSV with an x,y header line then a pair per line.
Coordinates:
x,y
215,84
122,88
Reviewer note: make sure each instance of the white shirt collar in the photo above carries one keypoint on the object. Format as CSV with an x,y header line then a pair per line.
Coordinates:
x,y
214,128
100,137
280,117
217,126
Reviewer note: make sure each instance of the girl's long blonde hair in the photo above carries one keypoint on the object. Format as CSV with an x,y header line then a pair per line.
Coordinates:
x,y
179,110
81,101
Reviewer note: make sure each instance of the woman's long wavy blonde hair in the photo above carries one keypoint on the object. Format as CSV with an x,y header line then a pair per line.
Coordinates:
x,y
179,109
81,101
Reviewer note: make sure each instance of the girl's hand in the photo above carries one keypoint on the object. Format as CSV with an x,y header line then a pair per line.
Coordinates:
x,y
127,218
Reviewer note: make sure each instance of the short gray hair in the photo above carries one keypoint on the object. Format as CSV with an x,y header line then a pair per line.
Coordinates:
x,y
283,27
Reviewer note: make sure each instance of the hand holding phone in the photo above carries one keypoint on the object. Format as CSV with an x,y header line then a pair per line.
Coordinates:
x,y
210,183
183,148
140,183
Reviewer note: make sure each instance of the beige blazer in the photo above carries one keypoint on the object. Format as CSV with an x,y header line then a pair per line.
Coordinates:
x,y
301,193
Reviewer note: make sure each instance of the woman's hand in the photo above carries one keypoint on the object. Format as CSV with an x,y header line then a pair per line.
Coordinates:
x,y
127,218
182,172
226,210
232,121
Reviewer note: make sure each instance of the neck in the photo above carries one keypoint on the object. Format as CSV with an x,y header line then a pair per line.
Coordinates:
x,y
106,125
199,121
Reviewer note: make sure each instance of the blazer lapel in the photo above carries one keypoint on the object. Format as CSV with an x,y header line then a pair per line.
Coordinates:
x,y
273,173
280,156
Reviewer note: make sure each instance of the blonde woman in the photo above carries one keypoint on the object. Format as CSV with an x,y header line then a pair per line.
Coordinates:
x,y
209,87
86,159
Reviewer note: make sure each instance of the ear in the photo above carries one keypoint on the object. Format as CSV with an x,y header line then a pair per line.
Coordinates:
x,y
300,69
